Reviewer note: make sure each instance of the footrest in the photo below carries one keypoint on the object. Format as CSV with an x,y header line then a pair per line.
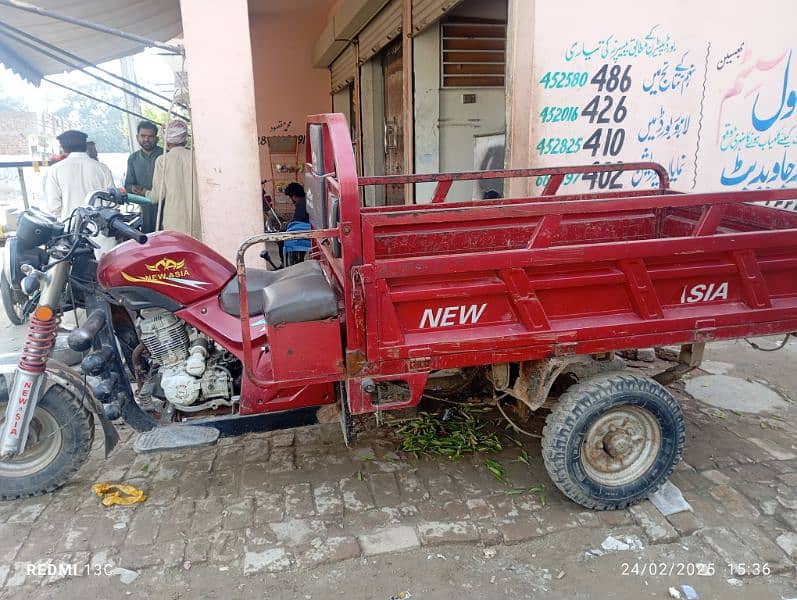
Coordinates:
x,y
175,437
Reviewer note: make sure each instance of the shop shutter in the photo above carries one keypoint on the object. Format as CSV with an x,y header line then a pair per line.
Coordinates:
x,y
426,12
343,68
382,29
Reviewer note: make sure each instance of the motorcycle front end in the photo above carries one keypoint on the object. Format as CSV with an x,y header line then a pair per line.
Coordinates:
x,y
47,410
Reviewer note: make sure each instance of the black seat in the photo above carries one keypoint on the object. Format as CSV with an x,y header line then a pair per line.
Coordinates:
x,y
256,281
299,299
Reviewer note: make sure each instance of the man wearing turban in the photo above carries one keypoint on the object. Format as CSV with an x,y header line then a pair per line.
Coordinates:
x,y
174,184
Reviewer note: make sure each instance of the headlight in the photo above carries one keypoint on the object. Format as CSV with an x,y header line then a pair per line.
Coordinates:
x,y
36,228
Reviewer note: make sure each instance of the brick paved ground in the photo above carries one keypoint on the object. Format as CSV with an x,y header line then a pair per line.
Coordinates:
x,y
292,503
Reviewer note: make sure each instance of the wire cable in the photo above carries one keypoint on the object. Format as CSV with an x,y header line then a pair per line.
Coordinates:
x,y
87,95
514,426
80,61
775,349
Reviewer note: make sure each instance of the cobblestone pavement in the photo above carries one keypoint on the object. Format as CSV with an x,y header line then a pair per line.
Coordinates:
x,y
284,507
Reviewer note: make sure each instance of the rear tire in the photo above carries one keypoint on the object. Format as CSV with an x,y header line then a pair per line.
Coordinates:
x,y
59,443
613,440
13,309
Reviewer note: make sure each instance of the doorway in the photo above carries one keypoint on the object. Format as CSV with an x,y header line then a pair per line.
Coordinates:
x,y
394,119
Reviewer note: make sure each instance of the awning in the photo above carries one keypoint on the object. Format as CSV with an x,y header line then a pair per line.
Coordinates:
x,y
157,20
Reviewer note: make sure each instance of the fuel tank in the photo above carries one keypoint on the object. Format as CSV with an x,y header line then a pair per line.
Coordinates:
x,y
170,264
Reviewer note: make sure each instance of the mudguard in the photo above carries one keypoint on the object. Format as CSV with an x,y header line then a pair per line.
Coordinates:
x,y
59,374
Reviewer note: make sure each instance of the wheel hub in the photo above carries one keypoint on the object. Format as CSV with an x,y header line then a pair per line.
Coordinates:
x,y
617,443
621,445
42,446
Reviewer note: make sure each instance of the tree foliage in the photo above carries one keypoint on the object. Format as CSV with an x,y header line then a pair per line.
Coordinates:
x,y
105,126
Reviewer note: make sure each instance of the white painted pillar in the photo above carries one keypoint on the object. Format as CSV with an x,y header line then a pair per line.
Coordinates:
x,y
221,88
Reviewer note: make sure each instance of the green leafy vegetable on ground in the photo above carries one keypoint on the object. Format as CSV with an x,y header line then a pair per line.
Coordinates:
x,y
459,431
497,469
535,489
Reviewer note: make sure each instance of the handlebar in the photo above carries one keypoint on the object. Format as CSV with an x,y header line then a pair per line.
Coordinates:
x,y
117,225
136,199
118,196
109,219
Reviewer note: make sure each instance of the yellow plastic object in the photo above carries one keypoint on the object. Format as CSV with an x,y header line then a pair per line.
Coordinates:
x,y
118,494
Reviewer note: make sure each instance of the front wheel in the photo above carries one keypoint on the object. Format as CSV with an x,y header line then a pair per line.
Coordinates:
x,y
59,441
613,440
13,305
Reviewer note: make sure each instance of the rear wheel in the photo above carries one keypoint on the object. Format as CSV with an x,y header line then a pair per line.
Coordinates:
x,y
613,440
14,305
59,442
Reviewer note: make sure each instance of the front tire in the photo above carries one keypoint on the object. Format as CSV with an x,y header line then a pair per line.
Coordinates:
x,y
59,443
14,310
613,440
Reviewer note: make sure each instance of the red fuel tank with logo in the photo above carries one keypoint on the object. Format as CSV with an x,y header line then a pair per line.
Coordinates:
x,y
169,263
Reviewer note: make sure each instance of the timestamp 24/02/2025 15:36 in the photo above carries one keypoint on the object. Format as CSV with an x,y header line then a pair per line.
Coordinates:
x,y
680,569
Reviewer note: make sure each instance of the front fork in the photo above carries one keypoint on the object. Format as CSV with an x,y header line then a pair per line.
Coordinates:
x,y
30,374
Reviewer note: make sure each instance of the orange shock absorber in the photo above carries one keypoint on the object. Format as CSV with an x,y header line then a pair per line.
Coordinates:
x,y
24,392
38,343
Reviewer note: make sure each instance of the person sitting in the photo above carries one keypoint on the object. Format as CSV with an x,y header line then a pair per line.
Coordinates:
x,y
294,251
295,192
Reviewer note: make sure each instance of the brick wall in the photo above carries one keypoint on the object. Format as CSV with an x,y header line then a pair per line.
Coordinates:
x,y
17,127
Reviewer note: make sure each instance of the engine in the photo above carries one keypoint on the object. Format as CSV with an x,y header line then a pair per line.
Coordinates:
x,y
190,367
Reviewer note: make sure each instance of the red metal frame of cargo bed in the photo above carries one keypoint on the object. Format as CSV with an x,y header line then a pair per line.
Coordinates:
x,y
460,284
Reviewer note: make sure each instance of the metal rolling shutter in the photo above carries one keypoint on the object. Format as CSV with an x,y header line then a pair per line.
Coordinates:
x,y
382,29
343,69
426,12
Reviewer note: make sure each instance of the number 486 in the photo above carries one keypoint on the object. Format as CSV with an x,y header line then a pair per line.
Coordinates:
x,y
610,79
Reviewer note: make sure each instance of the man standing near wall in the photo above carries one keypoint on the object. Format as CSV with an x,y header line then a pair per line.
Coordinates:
x,y
174,184
141,163
71,179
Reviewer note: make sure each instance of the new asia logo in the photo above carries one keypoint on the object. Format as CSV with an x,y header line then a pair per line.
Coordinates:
x,y
704,292
169,272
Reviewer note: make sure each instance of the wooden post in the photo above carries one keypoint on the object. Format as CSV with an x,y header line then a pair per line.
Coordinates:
x,y
358,113
519,129
408,104
23,188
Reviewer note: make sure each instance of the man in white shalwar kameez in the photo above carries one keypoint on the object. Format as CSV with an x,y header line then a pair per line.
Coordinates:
x,y
71,179
174,184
